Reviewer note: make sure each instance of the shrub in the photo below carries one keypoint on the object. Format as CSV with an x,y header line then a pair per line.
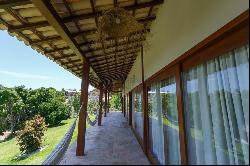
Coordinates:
x,y
31,137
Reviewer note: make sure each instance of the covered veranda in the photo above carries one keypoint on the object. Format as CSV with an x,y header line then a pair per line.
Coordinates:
x,y
183,73
67,33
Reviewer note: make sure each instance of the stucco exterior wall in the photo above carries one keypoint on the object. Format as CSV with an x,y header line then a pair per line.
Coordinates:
x,y
180,25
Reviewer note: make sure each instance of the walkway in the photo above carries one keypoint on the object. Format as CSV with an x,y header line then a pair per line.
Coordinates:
x,y
111,144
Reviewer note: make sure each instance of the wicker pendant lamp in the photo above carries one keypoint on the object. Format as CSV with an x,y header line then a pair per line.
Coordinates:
x,y
116,23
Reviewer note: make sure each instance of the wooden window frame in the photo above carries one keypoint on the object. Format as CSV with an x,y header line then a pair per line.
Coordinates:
x,y
232,35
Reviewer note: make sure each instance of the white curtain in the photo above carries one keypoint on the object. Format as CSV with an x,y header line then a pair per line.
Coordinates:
x,y
163,122
156,124
138,114
216,96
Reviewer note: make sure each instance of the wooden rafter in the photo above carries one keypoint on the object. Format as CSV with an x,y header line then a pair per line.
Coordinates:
x,y
117,57
12,3
118,66
49,12
111,61
133,43
28,26
53,18
51,39
131,7
57,49
119,52
65,57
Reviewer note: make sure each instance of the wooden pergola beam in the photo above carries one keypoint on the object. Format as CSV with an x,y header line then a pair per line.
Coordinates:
x,y
117,71
19,28
118,67
12,3
144,5
131,7
111,66
121,57
121,75
70,62
52,39
118,52
54,20
134,43
23,27
64,57
142,38
112,61
113,77
56,50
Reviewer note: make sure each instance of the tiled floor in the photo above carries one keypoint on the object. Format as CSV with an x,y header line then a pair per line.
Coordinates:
x,y
111,144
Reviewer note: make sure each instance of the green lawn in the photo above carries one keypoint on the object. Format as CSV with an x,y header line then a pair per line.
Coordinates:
x,y
9,149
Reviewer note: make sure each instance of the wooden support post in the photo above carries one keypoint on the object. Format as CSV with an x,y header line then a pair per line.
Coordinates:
x,y
108,101
121,102
144,107
124,106
181,121
100,104
124,101
130,109
106,104
83,111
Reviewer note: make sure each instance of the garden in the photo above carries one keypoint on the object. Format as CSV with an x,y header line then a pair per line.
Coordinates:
x,y
34,120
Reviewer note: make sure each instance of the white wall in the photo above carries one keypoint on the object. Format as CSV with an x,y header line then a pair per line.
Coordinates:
x,y
180,25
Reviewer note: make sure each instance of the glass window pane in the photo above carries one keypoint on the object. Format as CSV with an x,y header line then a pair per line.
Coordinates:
x,y
138,113
163,122
216,97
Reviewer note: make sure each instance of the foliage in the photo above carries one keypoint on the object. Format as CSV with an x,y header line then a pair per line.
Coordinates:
x,y
93,107
75,103
3,121
31,137
10,109
20,104
54,112
115,102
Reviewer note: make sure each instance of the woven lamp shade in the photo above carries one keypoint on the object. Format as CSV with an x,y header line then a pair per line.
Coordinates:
x,y
118,22
117,86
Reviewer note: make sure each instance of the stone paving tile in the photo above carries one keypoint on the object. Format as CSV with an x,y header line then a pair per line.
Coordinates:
x,y
113,143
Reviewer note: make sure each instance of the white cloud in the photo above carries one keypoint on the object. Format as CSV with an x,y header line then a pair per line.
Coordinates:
x,y
29,76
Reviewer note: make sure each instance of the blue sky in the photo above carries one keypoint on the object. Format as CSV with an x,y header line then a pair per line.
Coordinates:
x,y
21,65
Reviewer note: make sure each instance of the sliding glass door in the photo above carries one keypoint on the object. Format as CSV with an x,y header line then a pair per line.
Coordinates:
x,y
137,112
216,104
163,121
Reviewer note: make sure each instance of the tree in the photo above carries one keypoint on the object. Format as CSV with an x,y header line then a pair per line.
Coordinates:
x,y
93,107
75,103
11,109
115,101
53,111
